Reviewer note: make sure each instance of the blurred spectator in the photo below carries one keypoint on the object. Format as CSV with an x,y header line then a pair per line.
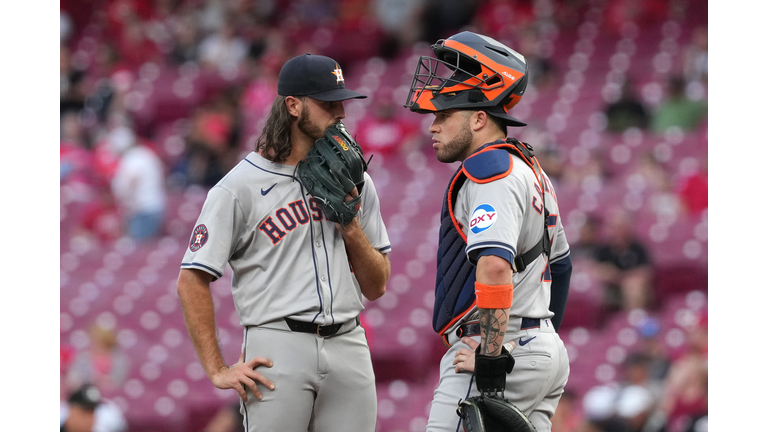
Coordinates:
x,y
677,109
103,365
634,406
440,18
549,151
313,12
653,348
227,419
383,131
67,355
599,405
224,50
185,36
628,111
552,162
135,47
585,167
110,75
696,56
370,333
663,201
399,22
138,184
636,372
629,404
72,80
212,144
639,12
255,33
686,393
504,18
75,159
85,410
257,96
655,175
567,417
543,74
624,265
77,415
101,217
356,33
212,14
693,187
587,243
66,26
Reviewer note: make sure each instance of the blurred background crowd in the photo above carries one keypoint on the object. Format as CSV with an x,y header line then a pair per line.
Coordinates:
x,y
160,98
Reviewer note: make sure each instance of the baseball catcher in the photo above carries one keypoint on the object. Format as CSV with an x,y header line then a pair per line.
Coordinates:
x,y
490,412
502,250
331,170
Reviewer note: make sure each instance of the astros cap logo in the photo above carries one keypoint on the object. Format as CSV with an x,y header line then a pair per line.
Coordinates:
x,y
339,75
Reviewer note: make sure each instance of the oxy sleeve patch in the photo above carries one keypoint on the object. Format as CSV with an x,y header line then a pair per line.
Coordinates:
x,y
199,238
483,217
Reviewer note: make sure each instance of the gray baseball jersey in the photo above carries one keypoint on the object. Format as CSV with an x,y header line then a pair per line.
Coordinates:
x,y
287,259
507,214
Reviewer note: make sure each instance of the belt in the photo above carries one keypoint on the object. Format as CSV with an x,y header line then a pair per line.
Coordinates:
x,y
322,331
473,328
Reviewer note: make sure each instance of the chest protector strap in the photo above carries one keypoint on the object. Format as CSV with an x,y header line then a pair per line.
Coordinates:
x,y
525,151
455,282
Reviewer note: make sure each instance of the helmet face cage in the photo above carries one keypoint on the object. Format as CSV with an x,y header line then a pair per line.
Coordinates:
x,y
471,72
461,74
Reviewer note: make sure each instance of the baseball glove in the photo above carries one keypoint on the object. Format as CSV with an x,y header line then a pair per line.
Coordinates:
x,y
487,413
333,167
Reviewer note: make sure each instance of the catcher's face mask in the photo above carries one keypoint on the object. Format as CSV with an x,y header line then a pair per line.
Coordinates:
x,y
470,71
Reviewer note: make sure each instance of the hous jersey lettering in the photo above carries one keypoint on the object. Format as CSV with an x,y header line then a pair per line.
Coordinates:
x,y
284,220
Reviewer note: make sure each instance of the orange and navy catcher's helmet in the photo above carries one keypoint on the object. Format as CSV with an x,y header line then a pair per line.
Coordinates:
x,y
470,71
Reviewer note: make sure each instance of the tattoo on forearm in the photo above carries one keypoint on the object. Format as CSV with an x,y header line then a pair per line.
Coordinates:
x,y
493,325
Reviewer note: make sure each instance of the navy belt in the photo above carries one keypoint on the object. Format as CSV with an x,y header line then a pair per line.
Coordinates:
x,y
322,331
473,328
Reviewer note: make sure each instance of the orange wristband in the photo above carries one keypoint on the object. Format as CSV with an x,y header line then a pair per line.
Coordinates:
x,y
493,296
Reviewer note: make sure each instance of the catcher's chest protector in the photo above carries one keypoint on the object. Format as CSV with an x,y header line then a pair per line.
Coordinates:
x,y
455,280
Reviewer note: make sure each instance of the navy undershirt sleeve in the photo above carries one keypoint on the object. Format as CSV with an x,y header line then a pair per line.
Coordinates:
x,y
499,252
561,281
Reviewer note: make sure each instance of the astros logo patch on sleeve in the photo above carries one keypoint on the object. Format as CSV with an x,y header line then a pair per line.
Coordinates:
x,y
483,217
199,237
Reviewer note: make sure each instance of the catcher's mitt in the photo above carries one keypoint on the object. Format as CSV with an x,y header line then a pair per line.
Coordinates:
x,y
486,413
333,167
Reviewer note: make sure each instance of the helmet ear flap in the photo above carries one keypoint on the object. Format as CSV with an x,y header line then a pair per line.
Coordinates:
x,y
522,84
476,96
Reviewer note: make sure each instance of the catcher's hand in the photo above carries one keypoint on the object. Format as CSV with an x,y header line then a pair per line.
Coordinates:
x,y
333,168
491,414
491,371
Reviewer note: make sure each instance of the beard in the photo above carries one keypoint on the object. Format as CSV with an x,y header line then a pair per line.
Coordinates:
x,y
456,149
307,127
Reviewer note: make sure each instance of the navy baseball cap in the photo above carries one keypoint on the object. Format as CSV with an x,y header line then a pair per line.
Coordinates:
x,y
316,76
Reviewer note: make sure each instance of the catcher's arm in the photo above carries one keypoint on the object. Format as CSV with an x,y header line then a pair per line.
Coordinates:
x,y
495,271
371,267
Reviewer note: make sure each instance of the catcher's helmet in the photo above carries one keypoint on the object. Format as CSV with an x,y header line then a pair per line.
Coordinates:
x,y
482,74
